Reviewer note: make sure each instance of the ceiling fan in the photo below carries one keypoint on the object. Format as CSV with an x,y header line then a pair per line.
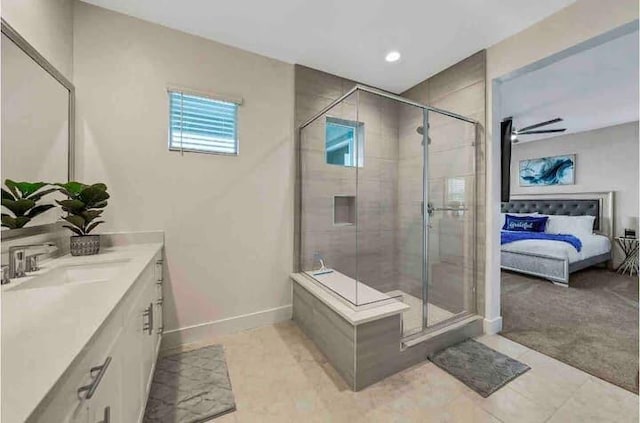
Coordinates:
x,y
529,130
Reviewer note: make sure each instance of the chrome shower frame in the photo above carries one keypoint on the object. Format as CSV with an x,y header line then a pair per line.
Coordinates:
x,y
425,193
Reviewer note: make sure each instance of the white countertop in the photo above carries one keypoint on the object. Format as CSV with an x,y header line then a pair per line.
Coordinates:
x,y
354,316
45,329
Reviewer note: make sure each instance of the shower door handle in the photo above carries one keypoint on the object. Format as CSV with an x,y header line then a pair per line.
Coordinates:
x,y
431,209
448,209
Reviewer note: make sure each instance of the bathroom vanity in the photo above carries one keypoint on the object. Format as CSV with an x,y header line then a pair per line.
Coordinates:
x,y
80,337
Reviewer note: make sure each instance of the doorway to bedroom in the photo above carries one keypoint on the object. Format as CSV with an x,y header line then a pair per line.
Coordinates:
x,y
569,205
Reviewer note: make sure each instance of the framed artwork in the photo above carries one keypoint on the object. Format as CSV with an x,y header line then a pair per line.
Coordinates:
x,y
556,170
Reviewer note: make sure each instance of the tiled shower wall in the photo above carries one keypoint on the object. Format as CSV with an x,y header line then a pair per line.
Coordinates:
x,y
389,205
459,89
374,242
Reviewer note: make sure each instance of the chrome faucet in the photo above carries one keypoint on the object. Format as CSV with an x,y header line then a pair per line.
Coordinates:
x,y
22,262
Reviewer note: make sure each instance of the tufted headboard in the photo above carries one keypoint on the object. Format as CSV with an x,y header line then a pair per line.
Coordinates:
x,y
566,207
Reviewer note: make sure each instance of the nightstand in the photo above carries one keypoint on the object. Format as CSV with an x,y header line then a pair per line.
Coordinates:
x,y
629,247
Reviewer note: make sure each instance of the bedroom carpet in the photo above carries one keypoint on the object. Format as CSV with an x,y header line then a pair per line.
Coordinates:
x,y
593,325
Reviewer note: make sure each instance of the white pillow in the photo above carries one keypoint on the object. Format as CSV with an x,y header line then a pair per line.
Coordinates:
x,y
571,225
503,217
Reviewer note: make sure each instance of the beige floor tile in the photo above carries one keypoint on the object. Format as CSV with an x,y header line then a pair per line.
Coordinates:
x,y
553,370
598,401
503,345
464,410
542,390
510,406
278,375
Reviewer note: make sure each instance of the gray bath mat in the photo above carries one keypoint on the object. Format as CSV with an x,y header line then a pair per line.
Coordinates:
x,y
479,367
190,387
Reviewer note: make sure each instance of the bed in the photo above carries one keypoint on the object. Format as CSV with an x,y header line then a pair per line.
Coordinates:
x,y
556,260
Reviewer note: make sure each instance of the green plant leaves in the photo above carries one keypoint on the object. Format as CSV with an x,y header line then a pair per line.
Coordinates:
x,y
6,195
89,215
18,207
14,222
71,206
83,206
93,226
21,198
94,194
75,220
71,189
38,195
38,210
74,230
24,188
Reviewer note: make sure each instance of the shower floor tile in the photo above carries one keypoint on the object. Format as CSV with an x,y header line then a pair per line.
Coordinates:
x,y
412,318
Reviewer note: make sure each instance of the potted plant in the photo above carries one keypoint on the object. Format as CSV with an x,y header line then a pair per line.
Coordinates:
x,y
21,198
84,205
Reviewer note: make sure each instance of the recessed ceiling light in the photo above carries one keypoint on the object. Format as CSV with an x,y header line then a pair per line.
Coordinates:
x,y
392,56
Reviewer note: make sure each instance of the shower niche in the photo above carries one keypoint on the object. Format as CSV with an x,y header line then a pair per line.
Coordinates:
x,y
344,210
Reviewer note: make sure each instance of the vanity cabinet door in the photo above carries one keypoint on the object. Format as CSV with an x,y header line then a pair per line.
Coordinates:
x,y
134,334
159,317
106,404
150,335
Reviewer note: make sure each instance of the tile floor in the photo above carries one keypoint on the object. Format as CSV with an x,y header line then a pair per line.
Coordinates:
x,y
279,376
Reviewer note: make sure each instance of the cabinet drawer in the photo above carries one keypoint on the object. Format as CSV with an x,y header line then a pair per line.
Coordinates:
x,y
63,404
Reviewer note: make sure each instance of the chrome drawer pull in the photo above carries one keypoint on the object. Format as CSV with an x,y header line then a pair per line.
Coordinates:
x,y
149,325
91,388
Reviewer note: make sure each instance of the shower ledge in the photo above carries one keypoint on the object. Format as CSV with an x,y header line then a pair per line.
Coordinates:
x,y
348,312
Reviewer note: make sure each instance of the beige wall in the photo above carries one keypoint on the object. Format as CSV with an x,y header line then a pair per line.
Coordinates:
x,y
606,160
579,22
227,220
47,25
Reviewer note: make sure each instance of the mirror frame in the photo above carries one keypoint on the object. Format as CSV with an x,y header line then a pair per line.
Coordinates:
x,y
30,51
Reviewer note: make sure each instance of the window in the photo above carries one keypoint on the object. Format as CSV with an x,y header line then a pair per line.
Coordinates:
x,y
456,195
202,124
456,190
344,142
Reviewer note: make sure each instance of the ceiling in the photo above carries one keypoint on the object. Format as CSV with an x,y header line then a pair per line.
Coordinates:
x,y
592,89
350,38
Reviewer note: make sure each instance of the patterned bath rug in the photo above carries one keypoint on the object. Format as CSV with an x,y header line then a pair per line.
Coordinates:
x,y
479,367
190,387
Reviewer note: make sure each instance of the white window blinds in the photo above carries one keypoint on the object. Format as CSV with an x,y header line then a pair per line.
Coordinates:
x,y
202,124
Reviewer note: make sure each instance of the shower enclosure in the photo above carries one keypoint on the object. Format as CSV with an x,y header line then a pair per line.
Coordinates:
x,y
388,206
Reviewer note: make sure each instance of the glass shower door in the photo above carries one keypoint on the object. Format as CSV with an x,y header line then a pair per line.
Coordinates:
x,y
450,198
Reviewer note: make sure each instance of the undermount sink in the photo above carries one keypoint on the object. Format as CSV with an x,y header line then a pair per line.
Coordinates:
x,y
74,274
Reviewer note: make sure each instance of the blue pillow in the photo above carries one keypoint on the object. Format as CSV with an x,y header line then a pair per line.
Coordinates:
x,y
525,223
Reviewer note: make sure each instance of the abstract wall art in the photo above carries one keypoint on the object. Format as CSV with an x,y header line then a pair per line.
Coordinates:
x,y
556,170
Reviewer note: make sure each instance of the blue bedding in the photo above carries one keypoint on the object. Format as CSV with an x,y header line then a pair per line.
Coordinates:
x,y
512,236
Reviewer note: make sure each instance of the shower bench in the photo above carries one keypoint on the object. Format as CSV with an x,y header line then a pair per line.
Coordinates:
x,y
365,345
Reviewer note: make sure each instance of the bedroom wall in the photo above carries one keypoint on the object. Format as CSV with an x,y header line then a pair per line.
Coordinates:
x,y
606,160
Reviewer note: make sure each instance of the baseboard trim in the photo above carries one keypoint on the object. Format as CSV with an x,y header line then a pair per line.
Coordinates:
x,y
209,330
492,326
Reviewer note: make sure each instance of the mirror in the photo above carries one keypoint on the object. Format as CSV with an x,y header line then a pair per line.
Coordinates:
x,y
37,121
